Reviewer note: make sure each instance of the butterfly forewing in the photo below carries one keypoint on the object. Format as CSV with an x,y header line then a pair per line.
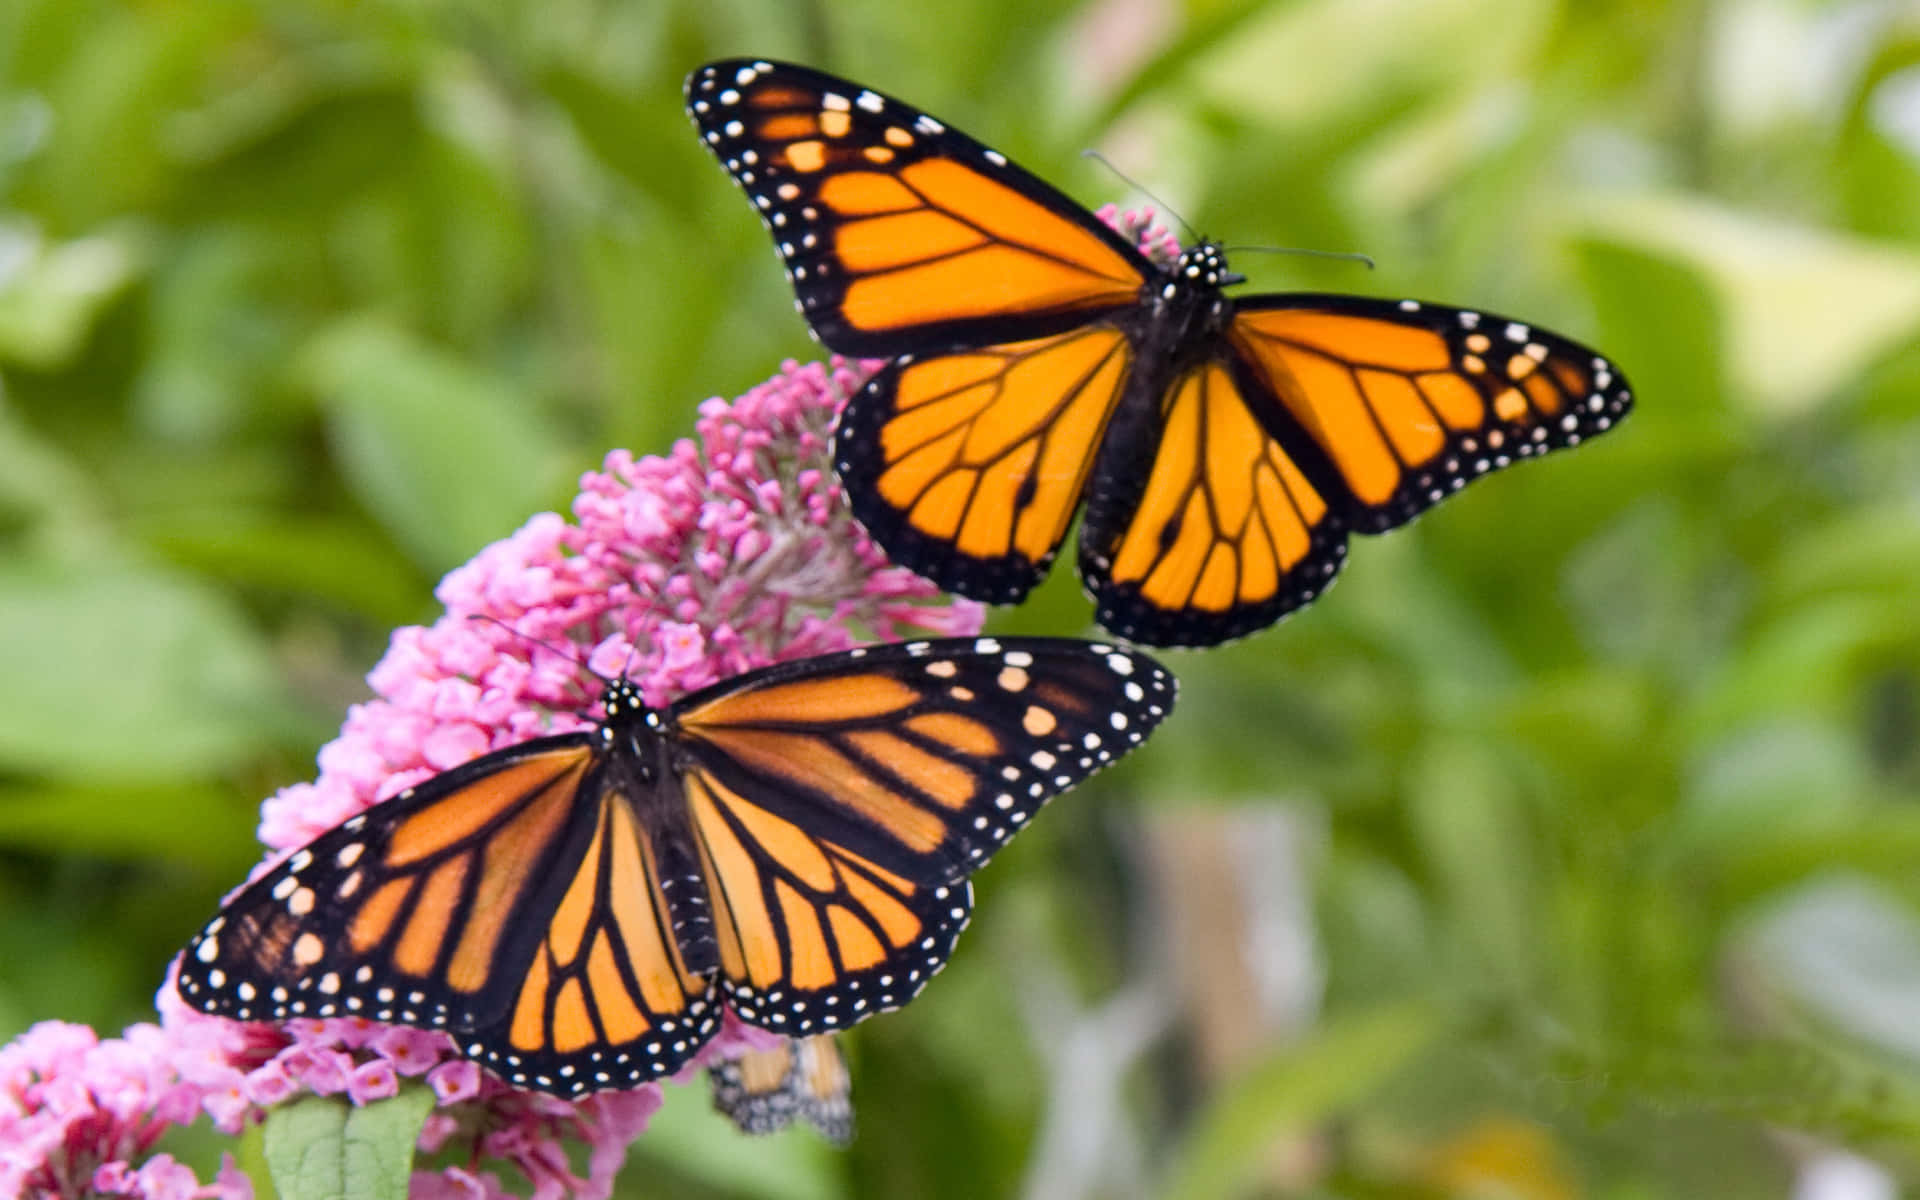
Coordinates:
x,y
898,233
1408,402
508,902
842,809
924,757
421,910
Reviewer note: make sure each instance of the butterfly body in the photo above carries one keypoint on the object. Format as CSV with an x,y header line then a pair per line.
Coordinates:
x,y
794,841
1223,448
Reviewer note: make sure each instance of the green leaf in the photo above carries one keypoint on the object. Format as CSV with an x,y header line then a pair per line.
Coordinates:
x,y
343,563
114,672
50,301
323,1149
201,826
1293,1086
1806,310
1465,814
688,1136
445,454
642,135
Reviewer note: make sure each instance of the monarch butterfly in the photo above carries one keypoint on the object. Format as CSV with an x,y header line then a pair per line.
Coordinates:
x,y
1224,448
795,840
802,1079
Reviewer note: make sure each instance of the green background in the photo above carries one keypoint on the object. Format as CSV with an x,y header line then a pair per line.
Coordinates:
x,y
1567,848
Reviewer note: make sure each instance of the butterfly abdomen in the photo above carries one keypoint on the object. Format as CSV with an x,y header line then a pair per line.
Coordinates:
x,y
647,781
689,908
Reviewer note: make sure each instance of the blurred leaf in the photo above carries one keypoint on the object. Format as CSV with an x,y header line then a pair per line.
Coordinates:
x,y
1344,54
320,1148
1807,659
215,345
1850,952
129,67
645,341
50,293
1212,26
690,1137
1779,780
643,136
1805,309
333,560
445,454
1295,1087
1466,817
127,673
1665,327
44,492
183,823
305,140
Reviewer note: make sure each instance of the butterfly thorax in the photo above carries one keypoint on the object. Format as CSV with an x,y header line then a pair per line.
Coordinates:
x,y
1183,311
636,766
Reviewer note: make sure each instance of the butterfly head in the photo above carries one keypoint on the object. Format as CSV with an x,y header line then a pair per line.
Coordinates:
x,y
622,698
1206,263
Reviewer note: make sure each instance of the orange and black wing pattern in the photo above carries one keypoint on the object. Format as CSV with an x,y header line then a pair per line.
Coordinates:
x,y
840,803
899,234
512,902
969,467
1407,402
1317,417
799,1080
1205,527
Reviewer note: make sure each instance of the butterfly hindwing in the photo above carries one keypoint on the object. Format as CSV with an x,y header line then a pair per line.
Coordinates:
x,y
1217,533
841,808
813,937
798,1080
970,466
900,234
1408,401
610,998
506,902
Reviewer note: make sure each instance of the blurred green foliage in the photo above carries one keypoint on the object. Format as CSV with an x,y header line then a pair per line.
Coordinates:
x,y
1612,761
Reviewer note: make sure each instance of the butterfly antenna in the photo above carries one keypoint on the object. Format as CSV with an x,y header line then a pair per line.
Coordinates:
x,y
1364,260
549,647
1137,186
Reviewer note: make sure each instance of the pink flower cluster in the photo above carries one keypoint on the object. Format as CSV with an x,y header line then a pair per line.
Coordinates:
x,y
77,1111
733,551
1142,227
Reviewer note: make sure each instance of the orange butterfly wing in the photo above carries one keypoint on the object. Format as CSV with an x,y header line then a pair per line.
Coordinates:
x,y
838,815
898,234
969,467
1408,402
511,902
1319,415
967,456
1218,534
